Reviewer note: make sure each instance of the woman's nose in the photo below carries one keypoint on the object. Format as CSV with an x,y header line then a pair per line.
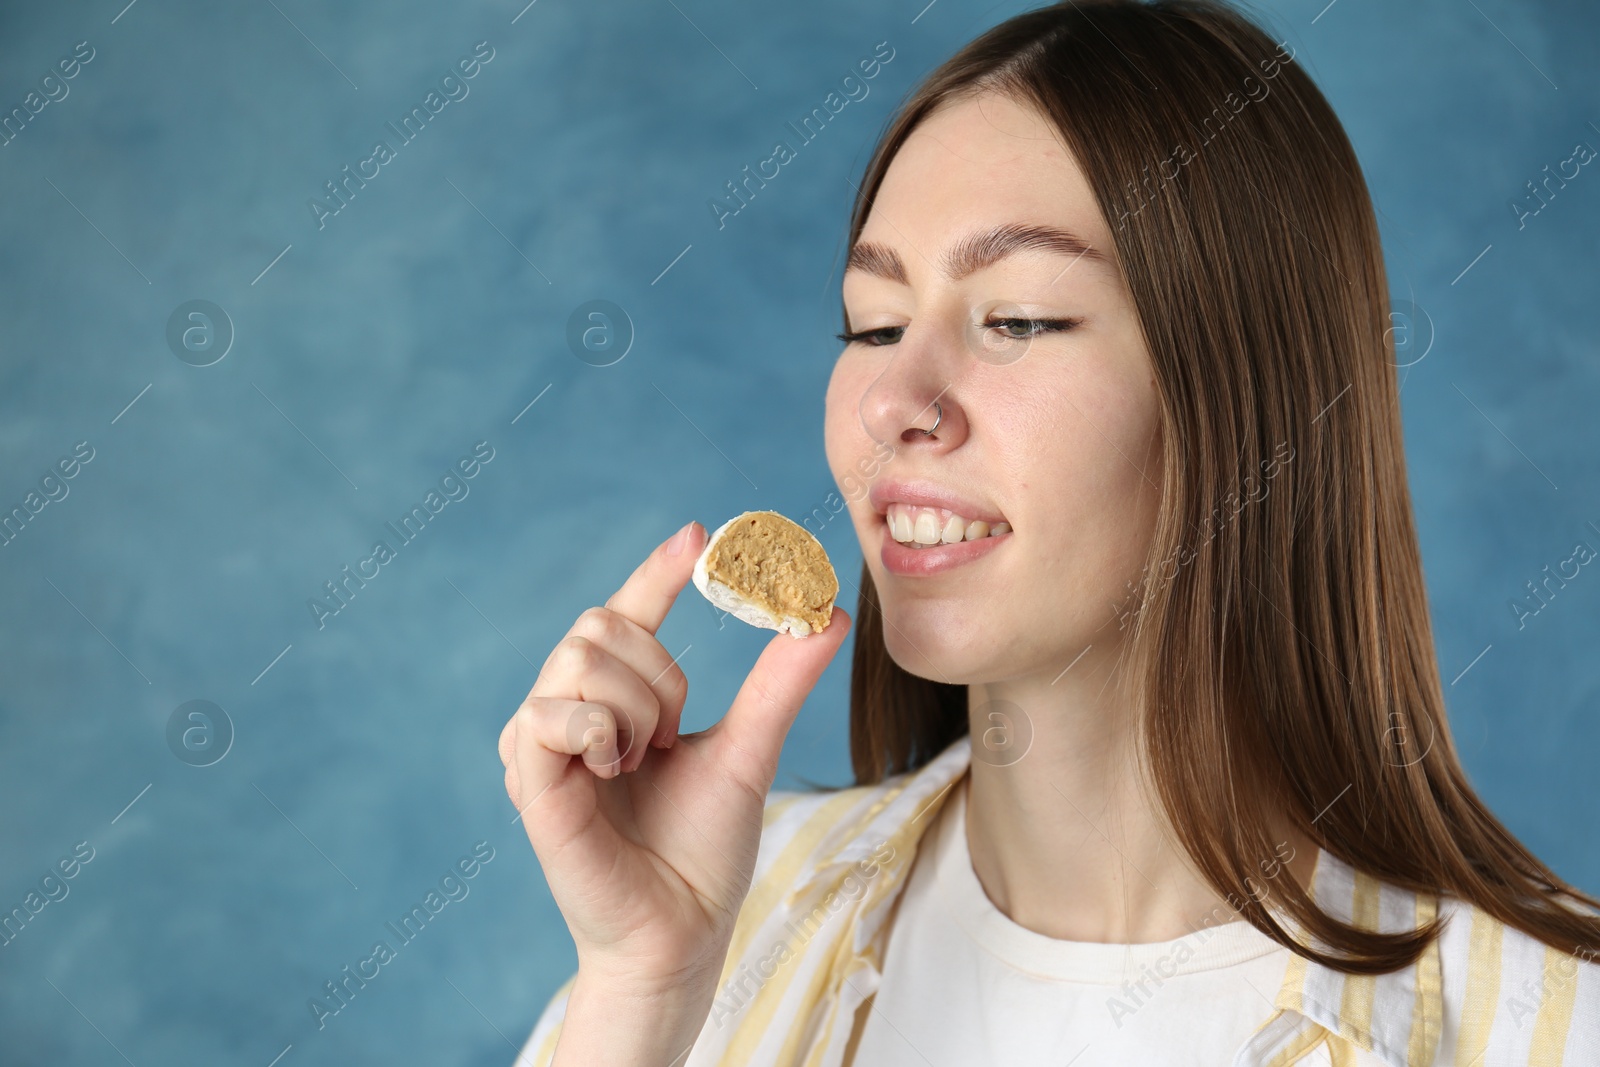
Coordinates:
x,y
909,404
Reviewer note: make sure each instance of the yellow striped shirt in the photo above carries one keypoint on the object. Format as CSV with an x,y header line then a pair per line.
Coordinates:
x,y
808,944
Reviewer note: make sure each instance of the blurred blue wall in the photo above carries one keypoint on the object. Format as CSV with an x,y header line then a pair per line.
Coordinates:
x,y
368,351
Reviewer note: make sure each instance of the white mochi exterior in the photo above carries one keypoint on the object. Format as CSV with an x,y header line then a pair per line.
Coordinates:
x,y
723,596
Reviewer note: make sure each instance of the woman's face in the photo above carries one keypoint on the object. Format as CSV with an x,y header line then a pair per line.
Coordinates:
x,y
1054,432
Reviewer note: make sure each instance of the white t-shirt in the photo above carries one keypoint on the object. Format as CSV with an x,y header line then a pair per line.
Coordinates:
x,y
964,985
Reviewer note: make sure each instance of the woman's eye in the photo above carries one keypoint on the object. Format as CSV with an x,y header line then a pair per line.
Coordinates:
x,y
866,335
1029,327
1007,328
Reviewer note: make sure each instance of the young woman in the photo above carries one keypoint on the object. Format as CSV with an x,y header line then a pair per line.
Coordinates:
x,y
1151,751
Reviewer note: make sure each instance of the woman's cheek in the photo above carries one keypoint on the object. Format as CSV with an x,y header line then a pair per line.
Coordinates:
x,y
847,386
839,422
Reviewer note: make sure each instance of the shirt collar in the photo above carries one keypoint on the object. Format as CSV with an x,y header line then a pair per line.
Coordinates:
x,y
903,807
1396,1017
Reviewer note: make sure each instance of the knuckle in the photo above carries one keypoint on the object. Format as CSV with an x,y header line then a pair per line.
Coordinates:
x,y
533,719
579,653
507,744
675,682
592,715
597,624
596,715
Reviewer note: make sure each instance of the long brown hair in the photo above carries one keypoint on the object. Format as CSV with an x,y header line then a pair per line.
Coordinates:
x,y
1282,648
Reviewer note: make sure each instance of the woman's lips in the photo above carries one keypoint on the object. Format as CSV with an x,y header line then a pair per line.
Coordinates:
x,y
921,562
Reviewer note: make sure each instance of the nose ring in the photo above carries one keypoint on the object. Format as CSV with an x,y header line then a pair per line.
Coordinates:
x,y
938,418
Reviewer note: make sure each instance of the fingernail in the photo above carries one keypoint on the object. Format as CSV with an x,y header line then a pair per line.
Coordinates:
x,y
679,539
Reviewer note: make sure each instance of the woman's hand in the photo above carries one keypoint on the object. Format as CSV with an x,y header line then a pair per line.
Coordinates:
x,y
647,838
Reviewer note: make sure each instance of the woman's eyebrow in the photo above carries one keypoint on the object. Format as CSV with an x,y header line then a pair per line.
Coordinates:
x,y
978,250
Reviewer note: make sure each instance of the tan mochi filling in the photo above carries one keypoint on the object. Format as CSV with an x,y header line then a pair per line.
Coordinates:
x,y
770,560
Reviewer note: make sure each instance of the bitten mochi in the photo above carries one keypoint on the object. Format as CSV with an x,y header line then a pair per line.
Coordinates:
x,y
768,571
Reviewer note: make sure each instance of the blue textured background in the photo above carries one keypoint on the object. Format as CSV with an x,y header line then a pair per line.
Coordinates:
x,y
433,309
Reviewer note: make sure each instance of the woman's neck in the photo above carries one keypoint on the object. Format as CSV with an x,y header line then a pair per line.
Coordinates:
x,y
1062,837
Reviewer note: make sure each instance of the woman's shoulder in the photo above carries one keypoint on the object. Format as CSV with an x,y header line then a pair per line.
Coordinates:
x,y
1509,997
1482,992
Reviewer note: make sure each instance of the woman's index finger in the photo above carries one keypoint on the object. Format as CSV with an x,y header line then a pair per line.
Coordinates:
x,y
654,585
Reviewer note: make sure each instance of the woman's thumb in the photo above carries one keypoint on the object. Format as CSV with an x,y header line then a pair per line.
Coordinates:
x,y
749,737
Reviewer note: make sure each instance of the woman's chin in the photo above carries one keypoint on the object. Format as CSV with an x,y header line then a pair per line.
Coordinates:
x,y
938,657
966,648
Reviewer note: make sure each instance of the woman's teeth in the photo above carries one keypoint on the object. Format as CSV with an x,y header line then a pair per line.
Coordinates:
x,y
921,527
